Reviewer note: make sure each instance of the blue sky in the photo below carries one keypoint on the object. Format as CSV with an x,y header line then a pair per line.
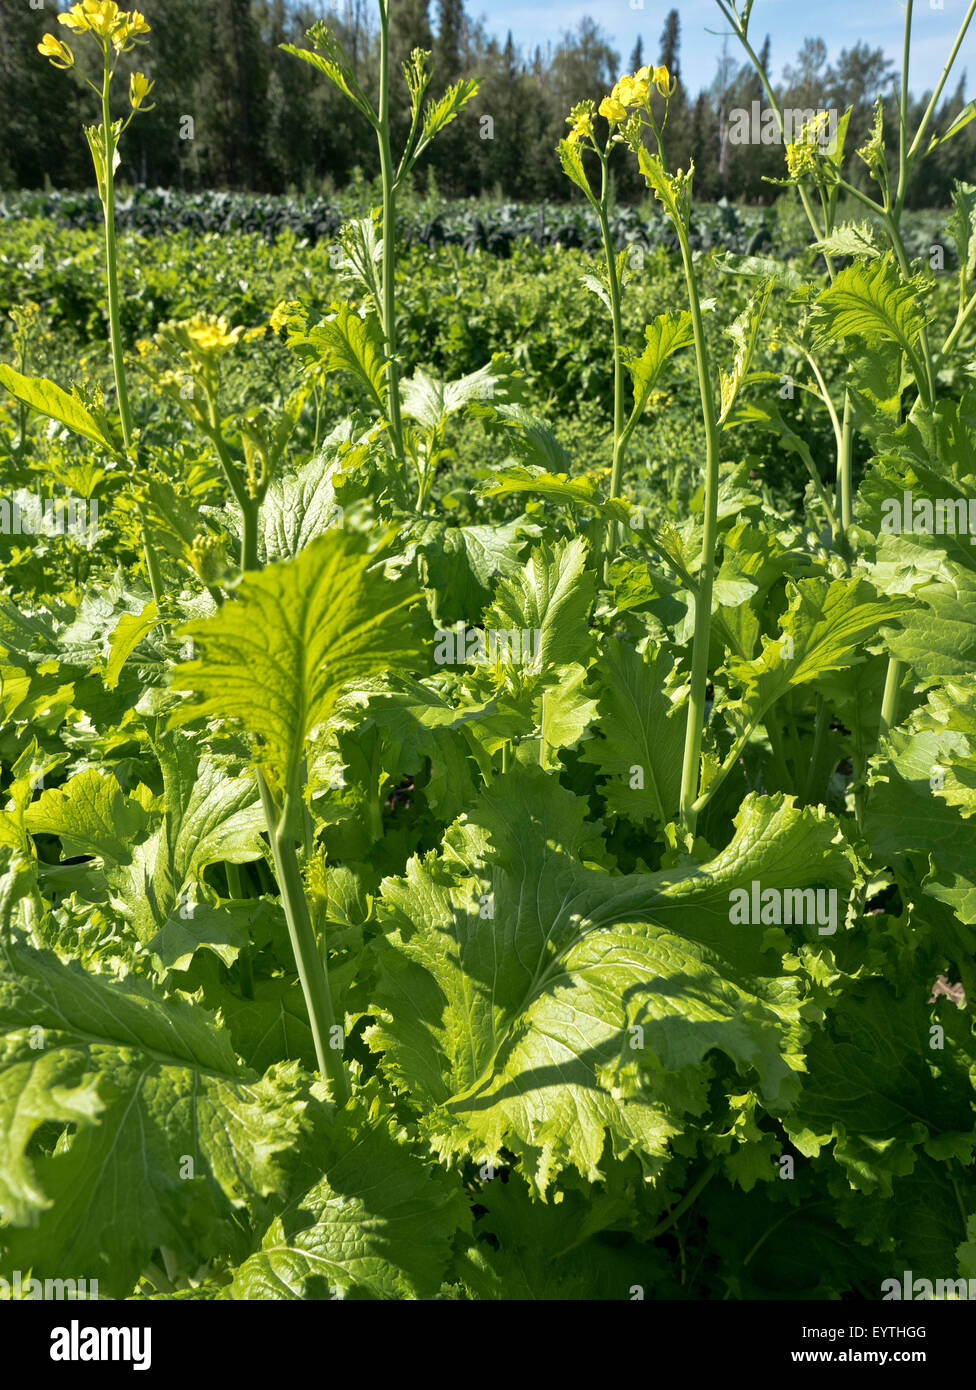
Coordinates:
x,y
840,23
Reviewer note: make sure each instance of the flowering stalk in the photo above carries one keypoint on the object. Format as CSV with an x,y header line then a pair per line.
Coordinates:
x,y
629,92
118,32
695,726
329,58
613,286
630,113
389,236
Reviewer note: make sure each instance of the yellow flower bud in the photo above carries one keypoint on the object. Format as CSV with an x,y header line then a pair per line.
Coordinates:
x,y
613,110
139,89
662,80
59,53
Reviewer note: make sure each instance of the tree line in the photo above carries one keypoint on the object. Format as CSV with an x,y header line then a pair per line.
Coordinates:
x,y
233,111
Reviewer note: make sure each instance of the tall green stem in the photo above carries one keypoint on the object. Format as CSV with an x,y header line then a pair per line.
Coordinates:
x,y
389,237
619,433
250,506
695,727
903,114
930,109
889,703
844,470
114,326
310,961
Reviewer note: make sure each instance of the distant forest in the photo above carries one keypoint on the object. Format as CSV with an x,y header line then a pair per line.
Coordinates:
x,y
260,121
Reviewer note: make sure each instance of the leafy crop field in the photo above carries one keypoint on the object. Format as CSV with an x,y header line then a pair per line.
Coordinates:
x,y
487,735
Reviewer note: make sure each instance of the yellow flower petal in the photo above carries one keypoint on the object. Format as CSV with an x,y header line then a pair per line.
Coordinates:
x,y
613,110
59,53
139,89
75,19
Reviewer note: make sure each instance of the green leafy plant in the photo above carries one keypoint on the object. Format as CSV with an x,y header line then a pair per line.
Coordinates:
x,y
498,878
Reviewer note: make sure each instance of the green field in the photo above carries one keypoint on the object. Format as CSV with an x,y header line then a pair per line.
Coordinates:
x,y
487,735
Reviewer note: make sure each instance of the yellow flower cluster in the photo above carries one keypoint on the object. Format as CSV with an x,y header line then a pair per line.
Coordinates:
x,y
583,127
635,90
210,335
104,19
801,156
279,315
800,160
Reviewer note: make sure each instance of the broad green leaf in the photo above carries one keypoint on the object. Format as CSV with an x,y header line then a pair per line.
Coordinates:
x,y
643,733
673,191
597,287
743,331
49,399
552,595
39,1089
530,438
210,814
223,928
554,487
173,1136
271,1026
827,627
378,1225
850,239
963,227
418,723
531,1250
938,633
880,1116
571,158
564,713
348,343
513,1027
361,252
276,658
906,816
665,335
298,507
91,815
464,562
440,113
132,628
872,302
430,401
